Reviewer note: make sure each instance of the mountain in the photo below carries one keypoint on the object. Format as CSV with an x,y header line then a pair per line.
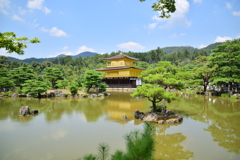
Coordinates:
x,y
40,60
83,54
190,49
210,47
176,49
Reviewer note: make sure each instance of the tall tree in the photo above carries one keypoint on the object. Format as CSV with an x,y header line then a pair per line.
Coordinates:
x,y
226,59
53,74
92,79
35,87
5,81
21,74
11,43
157,81
203,72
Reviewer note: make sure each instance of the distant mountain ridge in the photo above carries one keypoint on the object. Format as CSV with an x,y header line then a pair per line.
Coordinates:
x,y
40,60
168,50
175,49
83,54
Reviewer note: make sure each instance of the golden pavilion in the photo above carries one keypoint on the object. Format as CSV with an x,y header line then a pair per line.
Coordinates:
x,y
121,72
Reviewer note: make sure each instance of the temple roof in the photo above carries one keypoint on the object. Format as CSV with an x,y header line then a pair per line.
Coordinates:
x,y
120,56
117,68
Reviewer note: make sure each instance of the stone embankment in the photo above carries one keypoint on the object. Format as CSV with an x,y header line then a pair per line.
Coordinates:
x,y
169,117
59,93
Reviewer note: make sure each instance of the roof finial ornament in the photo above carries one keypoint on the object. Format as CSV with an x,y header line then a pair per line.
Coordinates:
x,y
121,52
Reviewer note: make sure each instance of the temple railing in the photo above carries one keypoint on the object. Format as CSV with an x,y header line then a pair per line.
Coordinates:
x,y
122,86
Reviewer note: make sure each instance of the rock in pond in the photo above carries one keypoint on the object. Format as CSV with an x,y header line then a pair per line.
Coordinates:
x,y
14,95
24,111
124,117
138,114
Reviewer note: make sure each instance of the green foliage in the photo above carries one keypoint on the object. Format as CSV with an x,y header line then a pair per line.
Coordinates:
x,y
35,88
11,43
102,87
139,146
233,97
21,75
62,84
74,88
224,95
103,151
92,79
226,59
158,108
165,7
53,74
154,93
165,75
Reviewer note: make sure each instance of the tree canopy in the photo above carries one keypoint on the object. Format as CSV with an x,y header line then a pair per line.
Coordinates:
x,y
11,43
226,59
165,7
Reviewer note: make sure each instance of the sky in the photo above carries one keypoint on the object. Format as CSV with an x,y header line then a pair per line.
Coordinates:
x,y
105,26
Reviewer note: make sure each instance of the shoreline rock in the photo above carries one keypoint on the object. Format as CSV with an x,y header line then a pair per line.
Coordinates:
x,y
168,117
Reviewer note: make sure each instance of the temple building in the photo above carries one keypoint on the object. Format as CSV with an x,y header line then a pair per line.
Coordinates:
x,y
121,72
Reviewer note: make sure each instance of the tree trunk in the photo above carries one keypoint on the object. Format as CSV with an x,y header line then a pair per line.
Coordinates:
x,y
154,106
204,88
163,106
39,95
88,89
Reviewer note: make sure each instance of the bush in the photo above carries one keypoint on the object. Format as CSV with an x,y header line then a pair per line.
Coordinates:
x,y
159,108
224,95
85,95
139,145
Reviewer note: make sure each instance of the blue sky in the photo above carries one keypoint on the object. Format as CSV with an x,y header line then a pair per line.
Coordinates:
x,y
103,26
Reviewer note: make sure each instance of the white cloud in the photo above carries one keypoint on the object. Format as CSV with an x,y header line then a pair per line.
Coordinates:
x,y
131,46
22,11
236,13
151,26
17,18
44,29
238,36
4,4
84,49
46,10
178,18
197,1
37,4
222,39
65,47
202,46
55,32
177,35
228,5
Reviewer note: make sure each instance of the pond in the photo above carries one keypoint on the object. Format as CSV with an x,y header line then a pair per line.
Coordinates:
x,y
71,128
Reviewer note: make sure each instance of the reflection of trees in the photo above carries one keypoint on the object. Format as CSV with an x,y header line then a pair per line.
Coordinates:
x,y
225,126
221,115
168,146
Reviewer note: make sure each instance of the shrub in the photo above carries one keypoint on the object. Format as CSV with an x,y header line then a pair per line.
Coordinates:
x,y
159,108
224,95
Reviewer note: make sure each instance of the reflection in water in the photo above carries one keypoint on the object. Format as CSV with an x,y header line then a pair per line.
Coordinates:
x,y
73,125
220,114
168,146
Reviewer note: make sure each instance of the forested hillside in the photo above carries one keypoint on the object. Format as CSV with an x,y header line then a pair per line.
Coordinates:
x,y
149,57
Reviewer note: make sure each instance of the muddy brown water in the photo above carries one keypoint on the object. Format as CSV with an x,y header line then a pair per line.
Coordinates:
x,y
67,129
